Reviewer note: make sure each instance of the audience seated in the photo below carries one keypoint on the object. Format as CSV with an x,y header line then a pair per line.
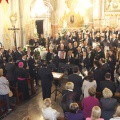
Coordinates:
x,y
4,89
48,112
75,113
89,102
96,113
68,96
108,104
116,116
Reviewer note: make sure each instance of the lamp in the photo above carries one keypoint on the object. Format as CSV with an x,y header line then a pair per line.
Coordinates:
x,y
38,9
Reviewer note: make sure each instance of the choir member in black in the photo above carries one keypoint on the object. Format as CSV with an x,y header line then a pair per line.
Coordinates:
x,y
49,55
102,42
104,68
55,59
70,47
32,41
75,45
46,80
111,63
99,53
57,39
70,58
21,75
88,40
84,61
78,55
31,64
79,38
19,54
97,37
91,56
70,39
97,74
8,55
42,40
10,69
114,41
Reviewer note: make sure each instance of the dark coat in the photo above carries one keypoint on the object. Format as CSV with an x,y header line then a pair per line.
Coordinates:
x,y
49,56
77,80
108,106
107,84
18,55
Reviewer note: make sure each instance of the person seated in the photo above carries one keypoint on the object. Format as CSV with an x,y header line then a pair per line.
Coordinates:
x,y
89,102
48,112
116,116
108,104
107,83
75,113
4,89
96,113
68,96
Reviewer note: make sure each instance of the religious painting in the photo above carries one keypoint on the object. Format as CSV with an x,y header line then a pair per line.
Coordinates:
x,y
112,6
61,54
72,19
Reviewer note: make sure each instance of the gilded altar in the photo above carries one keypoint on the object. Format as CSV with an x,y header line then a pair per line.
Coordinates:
x,y
71,19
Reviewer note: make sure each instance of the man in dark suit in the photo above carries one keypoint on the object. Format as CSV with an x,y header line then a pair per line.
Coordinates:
x,y
77,80
46,80
18,54
107,83
114,41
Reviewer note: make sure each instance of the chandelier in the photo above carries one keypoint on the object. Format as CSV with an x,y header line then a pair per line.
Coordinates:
x,y
38,9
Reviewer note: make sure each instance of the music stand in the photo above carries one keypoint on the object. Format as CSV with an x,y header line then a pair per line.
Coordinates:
x,y
57,77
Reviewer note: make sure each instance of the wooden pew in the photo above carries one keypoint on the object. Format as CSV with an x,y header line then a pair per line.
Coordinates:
x,y
17,94
3,104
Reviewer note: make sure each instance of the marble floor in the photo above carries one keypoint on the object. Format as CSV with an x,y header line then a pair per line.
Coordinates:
x,y
34,105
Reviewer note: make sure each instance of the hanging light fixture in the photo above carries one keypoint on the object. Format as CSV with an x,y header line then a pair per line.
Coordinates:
x,y
38,9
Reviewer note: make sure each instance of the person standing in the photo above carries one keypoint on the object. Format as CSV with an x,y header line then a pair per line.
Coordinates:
x,y
46,80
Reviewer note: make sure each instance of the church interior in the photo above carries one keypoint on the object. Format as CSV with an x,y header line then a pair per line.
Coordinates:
x,y
60,59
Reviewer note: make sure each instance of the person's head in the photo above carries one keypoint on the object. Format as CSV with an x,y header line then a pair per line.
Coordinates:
x,y
96,63
110,52
84,54
47,102
96,113
74,107
20,64
107,93
98,48
69,85
92,91
24,56
108,76
90,76
10,59
117,112
44,64
75,69
69,54
1,72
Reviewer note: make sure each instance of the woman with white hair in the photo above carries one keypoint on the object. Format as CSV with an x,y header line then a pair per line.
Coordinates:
x,y
68,96
96,113
116,116
108,104
49,113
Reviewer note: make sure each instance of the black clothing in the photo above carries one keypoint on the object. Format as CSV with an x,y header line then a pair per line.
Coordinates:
x,y
46,78
77,80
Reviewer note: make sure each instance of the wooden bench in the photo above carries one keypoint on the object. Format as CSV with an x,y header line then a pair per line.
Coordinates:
x,y
17,94
3,107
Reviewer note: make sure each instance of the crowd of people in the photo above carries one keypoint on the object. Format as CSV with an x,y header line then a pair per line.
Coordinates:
x,y
91,59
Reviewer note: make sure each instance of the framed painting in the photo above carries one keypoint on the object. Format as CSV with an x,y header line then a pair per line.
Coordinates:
x,y
112,6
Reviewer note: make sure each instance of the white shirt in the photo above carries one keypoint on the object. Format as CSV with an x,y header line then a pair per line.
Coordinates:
x,y
4,86
50,114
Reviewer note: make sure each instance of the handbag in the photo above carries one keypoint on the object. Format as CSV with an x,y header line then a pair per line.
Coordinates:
x,y
10,93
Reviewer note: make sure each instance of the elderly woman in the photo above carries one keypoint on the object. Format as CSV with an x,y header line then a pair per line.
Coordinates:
x,y
4,89
116,116
49,113
89,102
75,113
96,113
108,104
68,96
